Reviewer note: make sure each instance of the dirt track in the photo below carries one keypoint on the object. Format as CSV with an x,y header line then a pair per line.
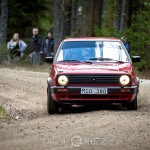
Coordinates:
x,y
23,94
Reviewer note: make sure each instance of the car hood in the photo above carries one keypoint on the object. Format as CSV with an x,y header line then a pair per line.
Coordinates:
x,y
93,68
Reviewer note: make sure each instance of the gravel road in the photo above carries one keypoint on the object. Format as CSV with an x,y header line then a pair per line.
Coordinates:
x,y
23,94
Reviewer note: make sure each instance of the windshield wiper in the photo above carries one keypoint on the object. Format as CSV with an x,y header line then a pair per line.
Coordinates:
x,y
90,62
100,58
69,60
107,59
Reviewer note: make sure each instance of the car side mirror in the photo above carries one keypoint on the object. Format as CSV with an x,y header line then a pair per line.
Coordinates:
x,y
49,59
136,58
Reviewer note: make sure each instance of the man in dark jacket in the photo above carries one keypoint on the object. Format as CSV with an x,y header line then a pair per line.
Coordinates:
x,y
48,45
35,47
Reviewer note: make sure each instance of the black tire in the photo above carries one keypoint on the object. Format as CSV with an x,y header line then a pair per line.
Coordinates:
x,y
133,105
52,106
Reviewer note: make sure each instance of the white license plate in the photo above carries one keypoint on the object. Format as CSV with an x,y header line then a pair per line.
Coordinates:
x,y
94,91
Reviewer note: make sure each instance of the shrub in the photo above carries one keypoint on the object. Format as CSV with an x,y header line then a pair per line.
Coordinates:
x,y
3,53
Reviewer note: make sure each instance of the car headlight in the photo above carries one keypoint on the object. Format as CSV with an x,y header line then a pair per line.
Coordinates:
x,y
63,80
124,80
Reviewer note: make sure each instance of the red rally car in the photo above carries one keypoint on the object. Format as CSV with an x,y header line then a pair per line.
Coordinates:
x,y
90,71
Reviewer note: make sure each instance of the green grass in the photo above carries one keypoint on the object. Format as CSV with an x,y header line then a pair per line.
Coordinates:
x,y
2,112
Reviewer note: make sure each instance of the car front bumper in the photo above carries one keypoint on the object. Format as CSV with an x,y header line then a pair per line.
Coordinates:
x,y
72,94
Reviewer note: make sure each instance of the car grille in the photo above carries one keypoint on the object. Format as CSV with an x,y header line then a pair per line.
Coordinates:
x,y
94,79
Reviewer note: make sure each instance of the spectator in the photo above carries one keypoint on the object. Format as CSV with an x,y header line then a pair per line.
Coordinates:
x,y
35,47
48,45
16,47
126,43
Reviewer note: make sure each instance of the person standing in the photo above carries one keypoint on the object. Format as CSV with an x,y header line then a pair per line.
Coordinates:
x,y
48,45
35,47
16,47
126,43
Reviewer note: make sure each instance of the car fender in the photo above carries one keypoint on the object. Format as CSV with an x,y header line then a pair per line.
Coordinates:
x,y
138,83
48,83
49,79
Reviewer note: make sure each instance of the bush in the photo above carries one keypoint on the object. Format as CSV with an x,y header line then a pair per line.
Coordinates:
x,y
3,53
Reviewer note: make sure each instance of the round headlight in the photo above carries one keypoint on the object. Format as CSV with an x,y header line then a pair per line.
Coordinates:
x,y
124,79
63,80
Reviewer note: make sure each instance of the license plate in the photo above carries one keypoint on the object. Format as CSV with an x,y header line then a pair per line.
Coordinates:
x,y
94,91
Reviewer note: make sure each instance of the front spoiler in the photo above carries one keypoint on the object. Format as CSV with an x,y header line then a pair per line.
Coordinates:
x,y
111,89
73,95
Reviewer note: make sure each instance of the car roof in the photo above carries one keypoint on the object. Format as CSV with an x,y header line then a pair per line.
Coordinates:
x,y
91,39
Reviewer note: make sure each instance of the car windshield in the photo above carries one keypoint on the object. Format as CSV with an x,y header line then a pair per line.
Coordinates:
x,y
92,51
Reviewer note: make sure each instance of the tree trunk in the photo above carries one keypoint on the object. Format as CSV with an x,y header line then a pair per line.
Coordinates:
x,y
3,21
62,20
118,8
67,18
56,24
100,13
123,16
111,11
73,16
92,17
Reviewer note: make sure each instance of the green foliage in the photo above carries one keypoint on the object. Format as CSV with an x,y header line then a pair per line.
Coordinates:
x,y
106,32
26,14
3,53
2,112
139,37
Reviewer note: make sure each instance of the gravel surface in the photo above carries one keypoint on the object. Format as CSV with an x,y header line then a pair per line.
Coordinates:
x,y
23,94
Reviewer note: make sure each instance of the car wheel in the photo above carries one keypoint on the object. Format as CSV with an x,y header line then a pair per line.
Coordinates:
x,y
52,107
134,104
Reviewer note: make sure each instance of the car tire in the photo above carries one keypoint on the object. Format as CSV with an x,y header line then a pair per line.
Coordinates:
x,y
52,106
134,104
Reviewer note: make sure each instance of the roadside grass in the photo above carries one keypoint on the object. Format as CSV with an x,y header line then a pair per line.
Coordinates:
x,y
2,112
143,74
